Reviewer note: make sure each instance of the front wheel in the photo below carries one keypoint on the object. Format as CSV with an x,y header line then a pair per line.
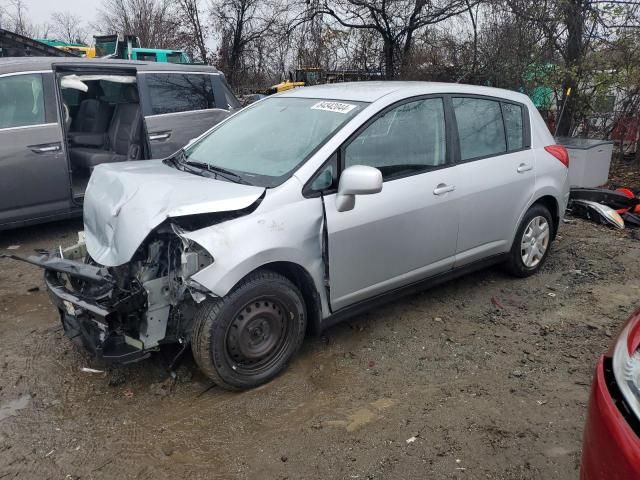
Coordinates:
x,y
246,338
532,242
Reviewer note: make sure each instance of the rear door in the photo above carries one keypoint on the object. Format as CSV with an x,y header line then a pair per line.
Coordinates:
x,y
496,172
178,106
34,174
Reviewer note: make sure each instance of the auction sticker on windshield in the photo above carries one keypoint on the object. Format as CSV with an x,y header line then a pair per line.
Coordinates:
x,y
337,107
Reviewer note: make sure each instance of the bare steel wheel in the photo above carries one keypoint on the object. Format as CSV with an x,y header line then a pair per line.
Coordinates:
x,y
532,242
256,335
535,241
247,337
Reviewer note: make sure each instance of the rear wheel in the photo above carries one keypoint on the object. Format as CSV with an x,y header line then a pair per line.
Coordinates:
x,y
246,338
532,242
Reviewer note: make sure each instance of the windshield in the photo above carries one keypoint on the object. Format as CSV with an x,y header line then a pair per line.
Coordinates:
x,y
265,143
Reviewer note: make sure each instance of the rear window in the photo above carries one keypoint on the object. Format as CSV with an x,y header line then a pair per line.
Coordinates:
x,y
21,101
177,92
114,92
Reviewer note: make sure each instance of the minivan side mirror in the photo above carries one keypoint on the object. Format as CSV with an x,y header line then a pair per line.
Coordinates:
x,y
357,180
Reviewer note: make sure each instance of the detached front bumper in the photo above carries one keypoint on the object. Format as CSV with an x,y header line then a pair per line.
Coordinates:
x,y
610,448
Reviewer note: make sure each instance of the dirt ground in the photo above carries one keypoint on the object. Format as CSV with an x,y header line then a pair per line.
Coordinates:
x,y
488,374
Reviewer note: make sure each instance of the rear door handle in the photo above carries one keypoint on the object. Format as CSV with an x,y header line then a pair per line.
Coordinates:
x,y
523,167
46,148
159,136
442,188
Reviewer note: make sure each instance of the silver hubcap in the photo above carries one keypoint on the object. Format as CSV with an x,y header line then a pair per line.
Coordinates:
x,y
535,241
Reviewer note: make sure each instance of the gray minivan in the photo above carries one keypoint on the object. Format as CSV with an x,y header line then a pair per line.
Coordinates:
x,y
59,118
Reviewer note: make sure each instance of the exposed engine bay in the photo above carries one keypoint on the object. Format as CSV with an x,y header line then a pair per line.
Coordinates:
x,y
132,308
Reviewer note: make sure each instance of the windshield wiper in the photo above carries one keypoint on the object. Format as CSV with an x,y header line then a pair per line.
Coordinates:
x,y
218,171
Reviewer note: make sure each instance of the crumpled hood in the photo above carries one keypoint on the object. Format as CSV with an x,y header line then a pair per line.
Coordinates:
x,y
125,201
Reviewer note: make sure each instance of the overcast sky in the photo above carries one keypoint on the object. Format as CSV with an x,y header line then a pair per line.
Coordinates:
x,y
40,10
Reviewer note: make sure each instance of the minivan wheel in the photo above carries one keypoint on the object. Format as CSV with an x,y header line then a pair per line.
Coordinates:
x,y
532,242
246,338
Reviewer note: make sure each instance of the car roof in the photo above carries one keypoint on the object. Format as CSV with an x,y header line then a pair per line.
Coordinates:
x,y
31,64
372,91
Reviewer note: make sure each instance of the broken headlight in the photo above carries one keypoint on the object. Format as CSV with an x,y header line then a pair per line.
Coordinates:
x,y
626,363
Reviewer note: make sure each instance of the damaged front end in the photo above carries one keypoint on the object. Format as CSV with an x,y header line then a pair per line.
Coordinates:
x,y
123,313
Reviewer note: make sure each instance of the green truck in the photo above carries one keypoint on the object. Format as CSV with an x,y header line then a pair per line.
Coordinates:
x,y
128,47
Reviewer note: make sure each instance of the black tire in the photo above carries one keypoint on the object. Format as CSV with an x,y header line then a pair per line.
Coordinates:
x,y
246,338
515,264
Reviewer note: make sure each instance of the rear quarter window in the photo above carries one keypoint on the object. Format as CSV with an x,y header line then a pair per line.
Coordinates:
x,y
513,125
177,92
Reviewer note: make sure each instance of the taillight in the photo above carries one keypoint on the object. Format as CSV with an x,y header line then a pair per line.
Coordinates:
x,y
626,362
560,152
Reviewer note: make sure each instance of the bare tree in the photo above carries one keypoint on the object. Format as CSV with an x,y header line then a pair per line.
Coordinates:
x,y
155,22
68,27
242,25
195,32
14,16
396,22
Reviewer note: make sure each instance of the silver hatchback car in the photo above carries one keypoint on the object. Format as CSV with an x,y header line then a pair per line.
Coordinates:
x,y
301,210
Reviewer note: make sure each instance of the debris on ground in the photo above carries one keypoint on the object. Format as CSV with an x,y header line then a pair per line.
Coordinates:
x,y
615,208
90,370
597,212
11,408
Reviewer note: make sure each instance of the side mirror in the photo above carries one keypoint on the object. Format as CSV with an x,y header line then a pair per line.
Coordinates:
x,y
357,180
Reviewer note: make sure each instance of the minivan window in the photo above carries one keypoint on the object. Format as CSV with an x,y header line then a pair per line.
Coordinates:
x,y
513,123
408,139
480,127
178,92
267,141
21,101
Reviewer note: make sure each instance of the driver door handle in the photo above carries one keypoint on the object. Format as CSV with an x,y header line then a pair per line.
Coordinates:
x,y
523,167
443,188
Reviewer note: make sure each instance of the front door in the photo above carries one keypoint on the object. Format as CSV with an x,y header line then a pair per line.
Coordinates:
x,y
408,231
178,107
34,173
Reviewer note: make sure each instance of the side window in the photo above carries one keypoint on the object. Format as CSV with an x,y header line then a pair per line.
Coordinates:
x,y
480,127
406,140
113,92
71,96
175,57
146,56
178,92
21,101
325,178
229,97
513,122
